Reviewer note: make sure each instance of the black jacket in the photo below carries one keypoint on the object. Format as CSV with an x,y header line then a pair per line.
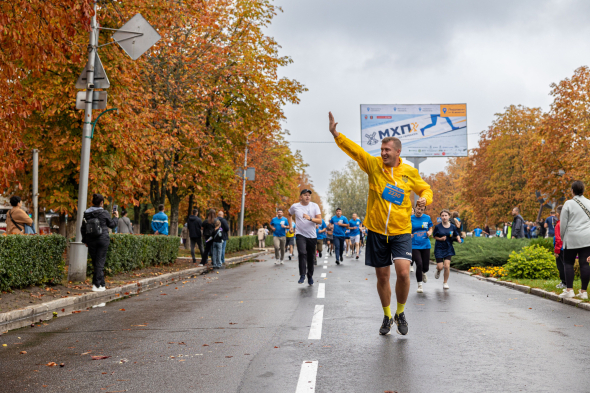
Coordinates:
x,y
208,229
194,226
105,222
518,227
225,227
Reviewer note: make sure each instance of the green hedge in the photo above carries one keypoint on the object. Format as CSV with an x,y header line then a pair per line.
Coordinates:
x,y
481,251
532,262
129,252
31,260
268,241
240,243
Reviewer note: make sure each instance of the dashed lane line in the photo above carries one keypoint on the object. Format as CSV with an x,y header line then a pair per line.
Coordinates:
x,y
323,275
315,331
307,376
321,291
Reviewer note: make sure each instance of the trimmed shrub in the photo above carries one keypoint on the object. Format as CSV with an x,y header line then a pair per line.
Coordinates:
x,y
129,252
481,251
240,243
31,260
268,242
533,262
545,243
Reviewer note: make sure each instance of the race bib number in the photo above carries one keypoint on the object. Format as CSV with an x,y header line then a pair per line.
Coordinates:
x,y
393,194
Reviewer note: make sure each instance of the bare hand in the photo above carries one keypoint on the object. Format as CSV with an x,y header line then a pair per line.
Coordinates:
x,y
557,255
333,125
116,213
306,216
443,239
421,202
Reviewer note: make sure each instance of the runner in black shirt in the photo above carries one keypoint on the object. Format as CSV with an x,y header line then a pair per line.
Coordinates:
x,y
445,233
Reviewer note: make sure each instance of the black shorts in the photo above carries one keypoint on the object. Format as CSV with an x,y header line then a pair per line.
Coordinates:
x,y
441,260
381,249
290,241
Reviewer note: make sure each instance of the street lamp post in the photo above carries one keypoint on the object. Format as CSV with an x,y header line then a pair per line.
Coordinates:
x,y
244,187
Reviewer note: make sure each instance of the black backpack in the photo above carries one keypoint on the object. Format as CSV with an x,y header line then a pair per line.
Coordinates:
x,y
93,227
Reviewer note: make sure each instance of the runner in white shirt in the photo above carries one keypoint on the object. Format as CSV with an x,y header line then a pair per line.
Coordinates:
x,y
306,214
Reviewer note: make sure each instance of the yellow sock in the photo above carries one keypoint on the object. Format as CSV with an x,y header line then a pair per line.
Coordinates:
x,y
387,311
400,308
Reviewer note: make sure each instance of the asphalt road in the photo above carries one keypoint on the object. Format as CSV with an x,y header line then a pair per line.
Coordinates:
x,y
250,329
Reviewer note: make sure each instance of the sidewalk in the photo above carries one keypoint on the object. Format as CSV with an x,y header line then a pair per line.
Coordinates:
x,y
28,316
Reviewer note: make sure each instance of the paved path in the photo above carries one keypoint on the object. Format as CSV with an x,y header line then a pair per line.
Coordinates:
x,y
254,329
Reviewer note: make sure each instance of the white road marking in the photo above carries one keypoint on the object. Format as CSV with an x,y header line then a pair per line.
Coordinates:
x,y
323,275
325,261
309,371
322,291
315,332
325,267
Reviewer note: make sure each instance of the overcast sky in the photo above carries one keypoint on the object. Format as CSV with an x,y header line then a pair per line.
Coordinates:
x,y
488,54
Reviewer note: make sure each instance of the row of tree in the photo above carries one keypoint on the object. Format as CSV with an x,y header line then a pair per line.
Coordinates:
x,y
188,107
524,158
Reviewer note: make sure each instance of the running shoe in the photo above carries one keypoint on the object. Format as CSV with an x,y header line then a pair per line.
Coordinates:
x,y
411,268
582,295
320,254
437,274
420,290
560,285
357,257
424,278
95,288
386,325
445,286
567,294
289,257
310,280
301,279
276,262
337,262
282,262
402,324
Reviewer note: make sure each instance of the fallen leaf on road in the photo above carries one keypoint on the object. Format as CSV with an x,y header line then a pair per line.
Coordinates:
x,y
171,343
100,357
138,325
366,278
181,343
229,356
205,345
182,360
218,342
162,294
276,347
51,364
85,353
76,312
579,325
62,365
121,309
4,345
233,323
63,310
23,352
126,293
246,354
176,288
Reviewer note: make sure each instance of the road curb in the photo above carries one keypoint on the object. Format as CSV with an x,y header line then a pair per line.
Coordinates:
x,y
531,291
26,316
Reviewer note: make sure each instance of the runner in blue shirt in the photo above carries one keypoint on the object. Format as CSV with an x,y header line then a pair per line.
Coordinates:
x,y
445,234
421,231
355,234
278,225
321,235
477,232
340,226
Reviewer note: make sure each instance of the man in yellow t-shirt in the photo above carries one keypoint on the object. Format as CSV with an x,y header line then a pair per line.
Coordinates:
x,y
388,219
290,243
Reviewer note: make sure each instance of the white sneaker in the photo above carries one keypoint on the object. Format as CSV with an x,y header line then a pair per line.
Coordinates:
x,y
95,289
582,295
411,268
445,286
437,274
276,262
99,305
420,290
424,277
560,285
567,294
281,262
102,288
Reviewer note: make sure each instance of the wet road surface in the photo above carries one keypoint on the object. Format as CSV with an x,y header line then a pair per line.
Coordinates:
x,y
254,329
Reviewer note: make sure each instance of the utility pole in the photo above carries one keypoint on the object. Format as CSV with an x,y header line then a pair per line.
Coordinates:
x,y
79,251
416,161
244,187
36,189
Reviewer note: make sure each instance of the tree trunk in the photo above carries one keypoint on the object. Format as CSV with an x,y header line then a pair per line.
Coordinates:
x,y
191,201
144,222
174,200
226,207
136,217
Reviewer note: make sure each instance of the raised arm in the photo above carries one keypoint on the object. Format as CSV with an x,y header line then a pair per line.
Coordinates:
x,y
352,149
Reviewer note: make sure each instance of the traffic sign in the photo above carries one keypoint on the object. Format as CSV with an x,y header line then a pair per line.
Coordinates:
x,y
101,81
136,36
99,100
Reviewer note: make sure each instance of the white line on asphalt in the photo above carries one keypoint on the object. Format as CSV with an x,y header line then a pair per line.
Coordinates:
x,y
315,332
323,275
325,261
325,267
322,291
307,377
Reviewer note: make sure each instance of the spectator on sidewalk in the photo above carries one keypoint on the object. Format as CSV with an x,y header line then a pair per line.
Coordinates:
x,y
160,222
184,236
17,218
574,228
558,250
517,224
125,225
278,225
550,224
217,244
225,227
261,237
541,230
97,217
194,231
208,232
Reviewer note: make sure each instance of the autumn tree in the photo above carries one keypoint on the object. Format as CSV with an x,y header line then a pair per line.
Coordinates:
x,y
349,190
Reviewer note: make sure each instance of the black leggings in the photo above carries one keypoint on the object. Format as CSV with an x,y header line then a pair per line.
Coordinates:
x,y
569,258
559,263
422,260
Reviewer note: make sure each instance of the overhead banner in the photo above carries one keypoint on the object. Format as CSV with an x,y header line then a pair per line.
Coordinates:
x,y
424,130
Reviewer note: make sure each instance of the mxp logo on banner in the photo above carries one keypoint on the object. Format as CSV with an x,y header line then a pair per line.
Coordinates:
x,y
433,130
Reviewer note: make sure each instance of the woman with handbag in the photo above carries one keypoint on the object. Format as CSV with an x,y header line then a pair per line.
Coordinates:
x,y
574,227
95,234
17,218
